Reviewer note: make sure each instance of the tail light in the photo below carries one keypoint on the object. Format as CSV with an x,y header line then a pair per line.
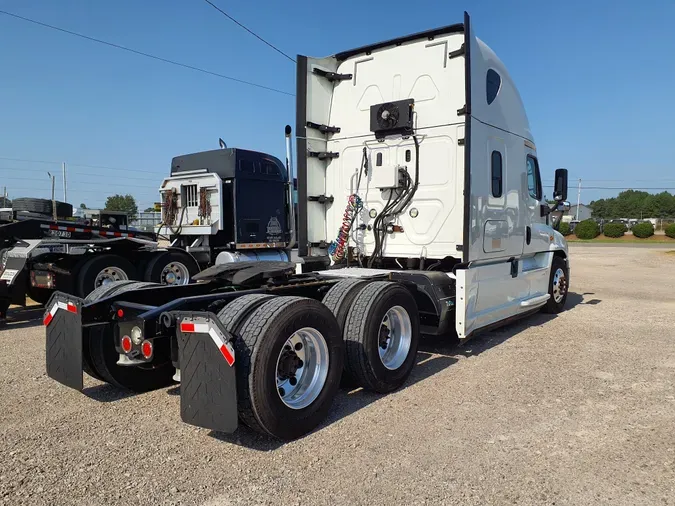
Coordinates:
x,y
126,344
146,349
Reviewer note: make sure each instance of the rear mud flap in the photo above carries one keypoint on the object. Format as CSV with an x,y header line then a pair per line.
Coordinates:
x,y
208,389
63,322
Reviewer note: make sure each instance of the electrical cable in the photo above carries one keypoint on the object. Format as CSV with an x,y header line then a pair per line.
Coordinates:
x,y
337,248
392,209
248,30
147,55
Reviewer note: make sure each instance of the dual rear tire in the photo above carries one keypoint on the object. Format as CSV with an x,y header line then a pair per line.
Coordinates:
x,y
290,356
380,327
99,356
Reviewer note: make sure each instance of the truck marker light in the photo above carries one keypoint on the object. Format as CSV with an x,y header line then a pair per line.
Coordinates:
x,y
224,347
187,327
126,344
70,307
120,313
146,349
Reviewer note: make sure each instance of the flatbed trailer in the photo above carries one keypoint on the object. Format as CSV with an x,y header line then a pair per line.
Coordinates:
x,y
428,172
39,255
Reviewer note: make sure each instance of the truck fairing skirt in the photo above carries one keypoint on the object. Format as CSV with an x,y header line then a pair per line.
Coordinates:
x,y
208,389
63,322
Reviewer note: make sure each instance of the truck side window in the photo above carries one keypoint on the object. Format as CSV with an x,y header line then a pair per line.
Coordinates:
x,y
270,168
533,177
246,166
496,170
493,83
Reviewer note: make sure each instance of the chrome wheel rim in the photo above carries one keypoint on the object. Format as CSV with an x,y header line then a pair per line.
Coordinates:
x,y
395,337
302,368
559,285
110,275
175,273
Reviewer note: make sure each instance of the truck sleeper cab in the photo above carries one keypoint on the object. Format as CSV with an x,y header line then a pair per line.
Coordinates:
x,y
420,201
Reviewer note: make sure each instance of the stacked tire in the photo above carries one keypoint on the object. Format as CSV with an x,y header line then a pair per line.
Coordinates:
x,y
43,206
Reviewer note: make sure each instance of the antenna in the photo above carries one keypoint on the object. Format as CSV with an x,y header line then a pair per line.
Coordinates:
x,y
222,143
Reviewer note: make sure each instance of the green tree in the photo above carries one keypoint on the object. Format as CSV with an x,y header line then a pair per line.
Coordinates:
x,y
123,203
83,206
149,210
635,204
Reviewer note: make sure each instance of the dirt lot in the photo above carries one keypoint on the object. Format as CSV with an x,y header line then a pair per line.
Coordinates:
x,y
576,409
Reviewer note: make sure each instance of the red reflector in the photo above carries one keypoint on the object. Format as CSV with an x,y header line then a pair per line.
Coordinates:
x,y
226,353
187,327
47,319
126,344
146,349
120,313
71,307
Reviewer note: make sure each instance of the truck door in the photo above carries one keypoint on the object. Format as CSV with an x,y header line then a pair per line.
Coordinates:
x,y
537,237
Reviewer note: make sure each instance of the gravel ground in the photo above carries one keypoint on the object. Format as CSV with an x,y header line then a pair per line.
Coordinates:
x,y
573,409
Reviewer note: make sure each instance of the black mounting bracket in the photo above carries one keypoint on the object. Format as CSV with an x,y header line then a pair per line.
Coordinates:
x,y
459,52
323,155
324,128
321,199
332,76
514,267
464,110
321,244
460,142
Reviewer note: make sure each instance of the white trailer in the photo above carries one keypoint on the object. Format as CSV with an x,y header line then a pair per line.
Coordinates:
x,y
420,211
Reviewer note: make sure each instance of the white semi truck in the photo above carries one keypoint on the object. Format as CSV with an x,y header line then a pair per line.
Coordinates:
x,y
420,211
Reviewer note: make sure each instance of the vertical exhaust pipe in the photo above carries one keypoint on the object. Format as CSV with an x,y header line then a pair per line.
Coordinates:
x,y
291,185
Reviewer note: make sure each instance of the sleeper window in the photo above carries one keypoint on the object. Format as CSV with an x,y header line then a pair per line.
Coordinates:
x,y
493,83
496,169
533,178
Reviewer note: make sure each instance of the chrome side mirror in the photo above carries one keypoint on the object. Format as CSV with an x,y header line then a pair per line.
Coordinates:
x,y
563,206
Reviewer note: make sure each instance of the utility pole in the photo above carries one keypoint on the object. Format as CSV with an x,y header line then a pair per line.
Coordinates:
x,y
578,199
65,196
4,197
53,178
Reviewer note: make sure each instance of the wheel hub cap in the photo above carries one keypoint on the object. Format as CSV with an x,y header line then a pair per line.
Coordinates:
x,y
110,275
559,285
175,273
302,368
395,337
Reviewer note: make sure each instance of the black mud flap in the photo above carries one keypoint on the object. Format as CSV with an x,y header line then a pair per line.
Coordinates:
x,y
63,322
208,388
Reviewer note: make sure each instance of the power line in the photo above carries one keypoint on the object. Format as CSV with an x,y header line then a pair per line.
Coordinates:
x,y
30,169
617,188
32,189
147,55
76,165
107,184
249,31
619,180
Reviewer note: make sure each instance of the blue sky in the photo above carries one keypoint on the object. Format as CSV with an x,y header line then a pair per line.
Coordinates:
x,y
596,78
